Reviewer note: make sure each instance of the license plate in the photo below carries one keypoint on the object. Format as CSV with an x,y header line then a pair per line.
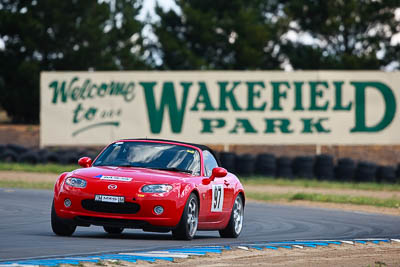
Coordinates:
x,y
112,199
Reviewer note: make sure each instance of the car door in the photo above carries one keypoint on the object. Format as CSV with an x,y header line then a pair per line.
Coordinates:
x,y
216,193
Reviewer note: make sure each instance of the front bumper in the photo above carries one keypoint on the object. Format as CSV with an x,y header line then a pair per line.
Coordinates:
x,y
142,216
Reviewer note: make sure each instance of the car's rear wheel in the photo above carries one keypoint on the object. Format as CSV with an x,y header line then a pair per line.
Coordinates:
x,y
60,226
113,230
187,226
235,225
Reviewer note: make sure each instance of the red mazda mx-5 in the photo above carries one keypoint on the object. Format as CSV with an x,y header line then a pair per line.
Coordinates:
x,y
154,185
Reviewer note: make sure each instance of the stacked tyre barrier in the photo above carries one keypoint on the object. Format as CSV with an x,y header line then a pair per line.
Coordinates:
x,y
303,167
265,165
14,153
324,167
345,169
321,167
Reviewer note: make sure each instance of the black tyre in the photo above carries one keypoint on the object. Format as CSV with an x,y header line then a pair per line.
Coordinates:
x,y
345,169
386,174
324,167
266,164
284,167
235,225
245,164
16,148
113,230
8,156
29,157
303,167
366,172
52,157
187,226
228,161
60,226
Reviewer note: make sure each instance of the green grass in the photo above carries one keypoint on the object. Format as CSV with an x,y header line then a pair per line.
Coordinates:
x,y
341,199
312,183
26,185
45,168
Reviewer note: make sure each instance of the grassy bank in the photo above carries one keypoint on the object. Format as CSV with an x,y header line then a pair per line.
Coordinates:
x,y
340,199
252,180
45,168
313,183
26,184
300,183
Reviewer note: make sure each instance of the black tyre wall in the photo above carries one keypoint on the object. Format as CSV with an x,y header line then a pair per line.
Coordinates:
x,y
303,167
16,148
2,148
366,172
52,157
8,156
30,157
386,174
324,167
284,167
345,169
398,172
228,161
245,164
266,165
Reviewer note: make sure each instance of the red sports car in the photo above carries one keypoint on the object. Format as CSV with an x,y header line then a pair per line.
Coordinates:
x,y
154,185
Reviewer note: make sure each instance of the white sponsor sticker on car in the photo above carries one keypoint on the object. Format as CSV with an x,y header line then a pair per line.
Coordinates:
x,y
116,178
217,197
112,199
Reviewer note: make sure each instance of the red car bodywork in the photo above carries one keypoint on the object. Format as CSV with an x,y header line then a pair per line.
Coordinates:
x,y
173,201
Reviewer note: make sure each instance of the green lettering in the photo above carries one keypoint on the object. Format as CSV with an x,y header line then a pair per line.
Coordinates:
x,y
317,93
210,124
129,94
77,111
338,97
243,124
224,93
168,101
203,98
277,94
101,90
282,124
360,106
298,87
60,90
309,124
82,93
253,93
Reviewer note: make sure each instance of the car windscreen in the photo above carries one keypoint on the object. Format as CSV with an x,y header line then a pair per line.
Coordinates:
x,y
151,155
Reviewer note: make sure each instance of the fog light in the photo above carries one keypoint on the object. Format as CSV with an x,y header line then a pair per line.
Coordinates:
x,y
67,203
158,210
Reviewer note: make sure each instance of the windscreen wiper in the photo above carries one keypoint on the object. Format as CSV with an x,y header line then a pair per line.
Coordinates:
x,y
172,169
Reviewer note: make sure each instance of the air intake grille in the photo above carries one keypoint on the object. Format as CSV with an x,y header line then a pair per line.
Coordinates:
x,y
121,208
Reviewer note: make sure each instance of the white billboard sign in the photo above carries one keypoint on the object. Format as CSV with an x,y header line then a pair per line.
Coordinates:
x,y
221,107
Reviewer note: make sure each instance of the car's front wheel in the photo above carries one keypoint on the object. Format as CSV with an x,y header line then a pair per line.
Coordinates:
x,y
187,227
60,226
235,225
113,230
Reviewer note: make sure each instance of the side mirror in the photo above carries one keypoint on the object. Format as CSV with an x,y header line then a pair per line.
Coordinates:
x,y
217,173
85,162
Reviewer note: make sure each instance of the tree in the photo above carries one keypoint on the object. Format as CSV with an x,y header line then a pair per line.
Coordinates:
x,y
347,34
220,34
63,35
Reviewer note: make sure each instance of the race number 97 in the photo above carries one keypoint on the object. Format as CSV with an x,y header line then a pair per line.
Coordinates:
x,y
217,197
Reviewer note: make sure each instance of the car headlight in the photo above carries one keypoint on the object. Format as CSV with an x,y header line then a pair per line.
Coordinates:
x,y
156,188
75,182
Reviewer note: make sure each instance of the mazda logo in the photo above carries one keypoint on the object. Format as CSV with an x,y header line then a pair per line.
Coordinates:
x,y
112,186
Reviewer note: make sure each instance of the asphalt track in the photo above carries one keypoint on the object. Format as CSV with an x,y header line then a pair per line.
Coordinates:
x,y
25,230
